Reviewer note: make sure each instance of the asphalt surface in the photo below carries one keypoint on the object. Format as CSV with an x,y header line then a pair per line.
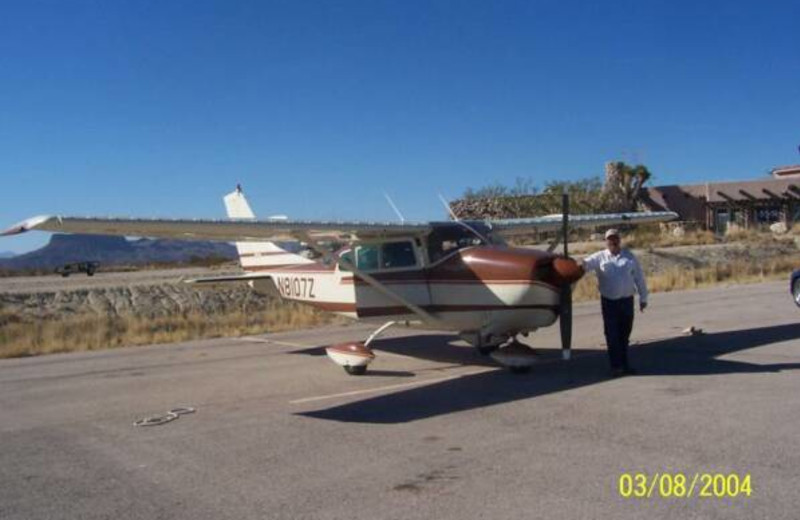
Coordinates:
x,y
435,431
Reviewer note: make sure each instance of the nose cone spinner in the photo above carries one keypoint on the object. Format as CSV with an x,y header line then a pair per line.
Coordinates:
x,y
566,270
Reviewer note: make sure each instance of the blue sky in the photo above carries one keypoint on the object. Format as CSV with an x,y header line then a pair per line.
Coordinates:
x,y
158,108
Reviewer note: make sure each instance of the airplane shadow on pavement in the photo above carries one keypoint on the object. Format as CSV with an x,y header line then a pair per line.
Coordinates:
x,y
682,355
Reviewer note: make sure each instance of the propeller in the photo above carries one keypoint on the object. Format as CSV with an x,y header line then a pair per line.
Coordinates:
x,y
565,311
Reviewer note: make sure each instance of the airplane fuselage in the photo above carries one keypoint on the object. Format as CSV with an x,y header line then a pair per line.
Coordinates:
x,y
495,290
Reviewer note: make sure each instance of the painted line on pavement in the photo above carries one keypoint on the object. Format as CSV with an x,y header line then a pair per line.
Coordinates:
x,y
253,339
387,387
425,382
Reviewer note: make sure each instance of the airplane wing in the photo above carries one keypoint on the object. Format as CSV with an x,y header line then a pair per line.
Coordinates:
x,y
245,230
521,226
222,230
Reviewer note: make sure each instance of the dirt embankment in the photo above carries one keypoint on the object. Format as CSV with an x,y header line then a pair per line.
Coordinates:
x,y
148,301
143,294
96,314
659,260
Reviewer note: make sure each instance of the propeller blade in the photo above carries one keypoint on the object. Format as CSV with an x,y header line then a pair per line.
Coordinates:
x,y
565,314
565,220
565,321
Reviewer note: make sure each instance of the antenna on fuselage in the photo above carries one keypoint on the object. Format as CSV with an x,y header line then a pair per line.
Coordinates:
x,y
394,207
456,219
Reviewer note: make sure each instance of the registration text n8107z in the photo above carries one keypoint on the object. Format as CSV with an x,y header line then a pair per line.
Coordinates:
x,y
295,286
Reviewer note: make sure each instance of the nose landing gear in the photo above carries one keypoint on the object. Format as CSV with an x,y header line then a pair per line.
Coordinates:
x,y
517,357
506,350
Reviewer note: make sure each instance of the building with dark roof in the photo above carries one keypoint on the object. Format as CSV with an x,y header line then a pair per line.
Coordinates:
x,y
748,204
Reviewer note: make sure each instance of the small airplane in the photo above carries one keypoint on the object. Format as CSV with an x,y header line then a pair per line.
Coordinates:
x,y
455,275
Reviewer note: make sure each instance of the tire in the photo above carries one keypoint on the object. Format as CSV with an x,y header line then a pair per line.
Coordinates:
x,y
796,291
520,369
485,350
356,371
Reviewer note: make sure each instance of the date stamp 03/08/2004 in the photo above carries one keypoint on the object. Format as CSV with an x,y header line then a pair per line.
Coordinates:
x,y
685,485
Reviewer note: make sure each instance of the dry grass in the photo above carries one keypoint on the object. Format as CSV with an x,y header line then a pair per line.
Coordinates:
x,y
647,237
90,332
650,236
680,278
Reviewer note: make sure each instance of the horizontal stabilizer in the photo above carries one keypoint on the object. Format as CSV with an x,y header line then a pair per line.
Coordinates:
x,y
248,277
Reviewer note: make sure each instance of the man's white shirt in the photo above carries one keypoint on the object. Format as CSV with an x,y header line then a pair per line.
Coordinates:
x,y
620,275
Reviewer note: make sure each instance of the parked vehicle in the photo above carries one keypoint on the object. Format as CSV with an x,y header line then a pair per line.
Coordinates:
x,y
78,267
794,287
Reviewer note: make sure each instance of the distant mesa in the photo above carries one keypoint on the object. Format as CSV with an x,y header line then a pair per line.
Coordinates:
x,y
7,254
108,250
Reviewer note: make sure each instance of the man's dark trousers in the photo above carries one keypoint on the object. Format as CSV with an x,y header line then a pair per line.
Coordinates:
x,y
617,324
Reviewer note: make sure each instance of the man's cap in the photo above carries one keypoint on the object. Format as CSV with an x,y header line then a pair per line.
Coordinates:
x,y
612,233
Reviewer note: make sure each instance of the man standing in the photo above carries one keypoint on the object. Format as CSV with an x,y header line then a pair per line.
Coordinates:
x,y
619,275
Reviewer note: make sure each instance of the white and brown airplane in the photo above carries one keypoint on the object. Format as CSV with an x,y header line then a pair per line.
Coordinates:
x,y
452,275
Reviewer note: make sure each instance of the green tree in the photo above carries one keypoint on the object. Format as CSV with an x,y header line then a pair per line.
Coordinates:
x,y
525,199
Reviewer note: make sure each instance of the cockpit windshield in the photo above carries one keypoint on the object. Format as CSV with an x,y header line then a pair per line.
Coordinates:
x,y
445,240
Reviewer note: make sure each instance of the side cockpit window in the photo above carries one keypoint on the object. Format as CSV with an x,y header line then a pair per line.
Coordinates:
x,y
397,254
443,242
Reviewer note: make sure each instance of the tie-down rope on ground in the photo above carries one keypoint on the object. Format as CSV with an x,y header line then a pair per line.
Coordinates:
x,y
157,420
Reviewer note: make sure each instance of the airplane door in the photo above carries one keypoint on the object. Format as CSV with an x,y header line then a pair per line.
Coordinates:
x,y
397,265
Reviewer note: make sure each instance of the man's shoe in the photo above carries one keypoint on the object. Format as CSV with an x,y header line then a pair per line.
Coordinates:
x,y
617,372
630,371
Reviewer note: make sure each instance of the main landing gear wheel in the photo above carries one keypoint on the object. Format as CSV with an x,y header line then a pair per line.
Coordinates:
x,y
356,371
354,356
520,369
486,350
796,291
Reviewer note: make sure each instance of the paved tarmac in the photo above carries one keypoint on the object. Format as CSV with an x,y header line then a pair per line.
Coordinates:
x,y
433,432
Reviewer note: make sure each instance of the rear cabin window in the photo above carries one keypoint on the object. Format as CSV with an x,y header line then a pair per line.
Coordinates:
x,y
389,255
367,257
347,256
397,254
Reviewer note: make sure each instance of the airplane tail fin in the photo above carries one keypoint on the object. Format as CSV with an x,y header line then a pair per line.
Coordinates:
x,y
254,255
